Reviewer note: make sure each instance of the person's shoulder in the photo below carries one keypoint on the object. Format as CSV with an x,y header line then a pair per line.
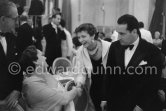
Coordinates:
x,y
25,26
149,47
148,44
47,25
10,36
115,43
105,44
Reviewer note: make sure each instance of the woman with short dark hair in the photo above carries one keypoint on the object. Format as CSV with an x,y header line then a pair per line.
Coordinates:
x,y
92,57
40,89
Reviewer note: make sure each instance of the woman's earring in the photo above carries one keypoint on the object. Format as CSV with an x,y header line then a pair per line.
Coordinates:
x,y
93,41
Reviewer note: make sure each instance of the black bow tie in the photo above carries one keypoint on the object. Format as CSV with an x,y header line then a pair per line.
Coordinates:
x,y
128,46
2,34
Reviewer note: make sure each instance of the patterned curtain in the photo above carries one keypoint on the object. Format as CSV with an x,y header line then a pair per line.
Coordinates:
x,y
56,2
66,11
157,19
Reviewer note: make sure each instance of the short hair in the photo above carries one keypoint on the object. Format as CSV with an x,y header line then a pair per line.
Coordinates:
x,y
5,6
54,15
131,21
88,27
57,9
141,25
62,23
29,55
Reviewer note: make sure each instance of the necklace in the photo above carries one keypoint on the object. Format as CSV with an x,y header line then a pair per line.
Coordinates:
x,y
94,51
93,48
98,54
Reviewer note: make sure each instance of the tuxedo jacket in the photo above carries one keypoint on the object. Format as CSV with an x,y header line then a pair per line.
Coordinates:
x,y
53,42
24,38
8,81
138,83
163,47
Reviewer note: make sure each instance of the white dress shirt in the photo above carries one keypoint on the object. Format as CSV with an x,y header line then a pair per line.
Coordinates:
x,y
129,53
55,27
4,44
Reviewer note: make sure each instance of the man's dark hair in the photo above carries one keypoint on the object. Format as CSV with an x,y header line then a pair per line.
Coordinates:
x,y
87,27
29,55
131,21
63,23
54,16
57,9
141,25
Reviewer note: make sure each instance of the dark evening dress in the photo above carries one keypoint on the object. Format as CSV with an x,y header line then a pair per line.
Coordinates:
x,y
97,76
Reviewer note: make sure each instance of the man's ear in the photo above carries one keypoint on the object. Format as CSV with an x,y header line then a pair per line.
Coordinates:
x,y
134,31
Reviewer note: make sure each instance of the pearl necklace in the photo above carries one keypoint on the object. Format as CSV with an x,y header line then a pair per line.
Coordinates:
x,y
94,51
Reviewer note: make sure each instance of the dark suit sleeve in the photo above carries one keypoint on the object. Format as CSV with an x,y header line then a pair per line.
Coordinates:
x,y
107,76
45,32
104,88
24,39
148,98
17,80
14,79
62,35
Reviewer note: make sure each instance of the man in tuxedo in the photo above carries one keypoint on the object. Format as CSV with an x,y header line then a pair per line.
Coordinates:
x,y
69,47
10,79
134,70
24,35
54,37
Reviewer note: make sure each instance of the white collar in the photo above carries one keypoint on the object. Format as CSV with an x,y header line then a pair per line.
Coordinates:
x,y
53,25
135,43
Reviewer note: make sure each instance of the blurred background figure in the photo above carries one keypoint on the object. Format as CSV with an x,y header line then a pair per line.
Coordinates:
x,y
56,10
24,35
145,34
55,39
76,43
157,41
114,36
101,35
69,44
157,35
